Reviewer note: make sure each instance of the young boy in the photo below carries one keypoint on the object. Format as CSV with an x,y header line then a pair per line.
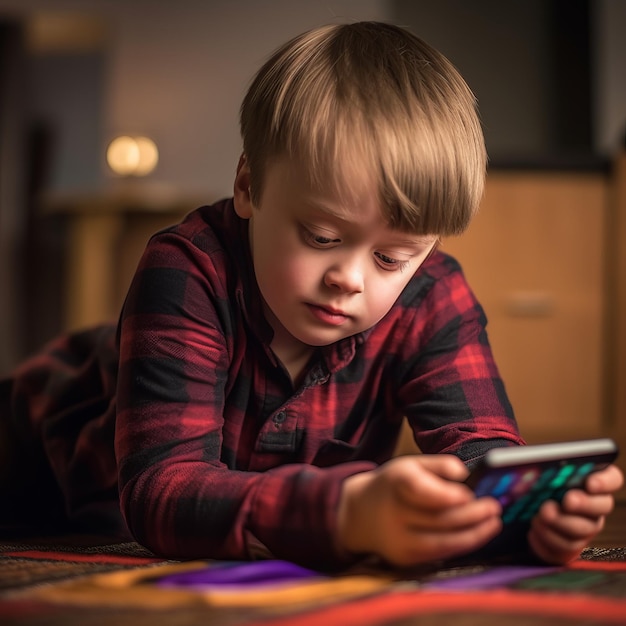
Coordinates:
x,y
271,344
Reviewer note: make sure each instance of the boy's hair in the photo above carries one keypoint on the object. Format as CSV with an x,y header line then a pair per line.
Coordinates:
x,y
371,97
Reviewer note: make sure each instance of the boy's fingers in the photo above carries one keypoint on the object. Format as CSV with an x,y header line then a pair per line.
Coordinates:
x,y
430,483
578,502
553,519
608,480
446,545
453,519
552,547
445,465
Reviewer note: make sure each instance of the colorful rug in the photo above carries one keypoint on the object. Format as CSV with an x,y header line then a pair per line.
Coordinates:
x,y
104,584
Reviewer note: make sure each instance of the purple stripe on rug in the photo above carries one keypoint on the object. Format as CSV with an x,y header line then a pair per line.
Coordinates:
x,y
490,579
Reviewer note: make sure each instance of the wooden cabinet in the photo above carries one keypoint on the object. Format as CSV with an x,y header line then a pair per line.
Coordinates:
x,y
536,257
616,280
107,234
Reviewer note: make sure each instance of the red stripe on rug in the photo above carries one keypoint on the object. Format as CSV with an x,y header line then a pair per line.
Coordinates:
x,y
22,609
598,565
387,608
76,557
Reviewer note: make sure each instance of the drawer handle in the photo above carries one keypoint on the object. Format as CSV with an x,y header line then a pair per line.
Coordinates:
x,y
530,304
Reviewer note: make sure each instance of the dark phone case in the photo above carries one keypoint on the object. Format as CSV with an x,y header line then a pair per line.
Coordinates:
x,y
523,478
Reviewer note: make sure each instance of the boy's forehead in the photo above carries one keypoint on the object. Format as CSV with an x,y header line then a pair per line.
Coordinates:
x,y
334,187
333,183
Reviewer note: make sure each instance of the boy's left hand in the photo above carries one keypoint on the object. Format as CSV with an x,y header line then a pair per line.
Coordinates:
x,y
559,533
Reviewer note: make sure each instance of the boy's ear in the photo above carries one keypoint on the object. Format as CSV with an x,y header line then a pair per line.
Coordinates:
x,y
241,192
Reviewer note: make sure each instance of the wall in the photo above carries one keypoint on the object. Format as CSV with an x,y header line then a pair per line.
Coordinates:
x,y
610,65
178,71
502,50
66,100
508,54
180,76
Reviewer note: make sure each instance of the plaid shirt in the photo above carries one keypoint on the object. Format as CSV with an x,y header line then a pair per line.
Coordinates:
x,y
221,456
217,454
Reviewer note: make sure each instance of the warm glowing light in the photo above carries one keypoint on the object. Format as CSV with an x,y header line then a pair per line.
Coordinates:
x,y
132,156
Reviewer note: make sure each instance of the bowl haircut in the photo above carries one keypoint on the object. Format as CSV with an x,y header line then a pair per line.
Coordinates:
x,y
372,101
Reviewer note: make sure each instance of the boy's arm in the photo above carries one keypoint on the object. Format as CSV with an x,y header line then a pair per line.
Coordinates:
x,y
177,495
452,392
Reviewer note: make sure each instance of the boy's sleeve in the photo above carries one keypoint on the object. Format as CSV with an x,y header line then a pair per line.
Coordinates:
x,y
177,496
453,395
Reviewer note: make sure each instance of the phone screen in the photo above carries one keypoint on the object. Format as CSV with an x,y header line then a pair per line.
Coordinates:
x,y
522,489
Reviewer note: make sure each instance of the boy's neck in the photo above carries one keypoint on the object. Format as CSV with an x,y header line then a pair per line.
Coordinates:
x,y
296,367
293,354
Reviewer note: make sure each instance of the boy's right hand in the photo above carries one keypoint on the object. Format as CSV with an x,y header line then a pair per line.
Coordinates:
x,y
415,509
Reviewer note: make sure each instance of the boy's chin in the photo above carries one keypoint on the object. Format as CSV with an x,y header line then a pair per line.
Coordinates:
x,y
322,342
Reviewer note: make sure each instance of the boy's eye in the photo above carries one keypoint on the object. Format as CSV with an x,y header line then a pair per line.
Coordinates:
x,y
319,241
322,240
389,263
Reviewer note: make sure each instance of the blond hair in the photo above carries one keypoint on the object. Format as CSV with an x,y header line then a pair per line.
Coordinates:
x,y
371,97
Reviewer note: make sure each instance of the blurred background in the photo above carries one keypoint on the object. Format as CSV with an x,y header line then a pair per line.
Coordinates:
x,y
550,77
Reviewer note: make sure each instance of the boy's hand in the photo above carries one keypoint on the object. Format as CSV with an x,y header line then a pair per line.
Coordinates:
x,y
558,534
414,509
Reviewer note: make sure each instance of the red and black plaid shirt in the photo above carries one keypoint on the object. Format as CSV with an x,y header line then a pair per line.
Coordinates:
x,y
218,451
218,454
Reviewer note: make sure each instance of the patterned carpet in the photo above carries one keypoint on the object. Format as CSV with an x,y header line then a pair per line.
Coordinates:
x,y
100,581
71,581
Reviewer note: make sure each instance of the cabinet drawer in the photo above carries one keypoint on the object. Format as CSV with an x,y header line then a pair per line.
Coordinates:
x,y
535,256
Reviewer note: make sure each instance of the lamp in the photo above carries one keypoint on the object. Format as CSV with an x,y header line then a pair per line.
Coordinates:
x,y
132,155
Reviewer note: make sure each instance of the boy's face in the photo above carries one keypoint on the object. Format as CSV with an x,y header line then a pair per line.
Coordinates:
x,y
327,267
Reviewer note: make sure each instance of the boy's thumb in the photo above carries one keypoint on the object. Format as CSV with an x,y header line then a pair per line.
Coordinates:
x,y
444,465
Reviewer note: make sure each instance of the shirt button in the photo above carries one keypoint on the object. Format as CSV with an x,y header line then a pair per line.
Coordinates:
x,y
279,418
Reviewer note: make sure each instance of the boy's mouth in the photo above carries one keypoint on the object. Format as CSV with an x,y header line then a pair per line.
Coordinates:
x,y
328,315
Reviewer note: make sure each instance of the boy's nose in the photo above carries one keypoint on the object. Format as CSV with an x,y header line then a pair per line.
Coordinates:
x,y
346,277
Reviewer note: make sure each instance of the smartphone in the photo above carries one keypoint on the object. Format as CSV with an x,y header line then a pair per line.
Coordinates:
x,y
522,478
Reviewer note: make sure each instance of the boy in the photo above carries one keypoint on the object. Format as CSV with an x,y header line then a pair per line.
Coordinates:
x,y
270,344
